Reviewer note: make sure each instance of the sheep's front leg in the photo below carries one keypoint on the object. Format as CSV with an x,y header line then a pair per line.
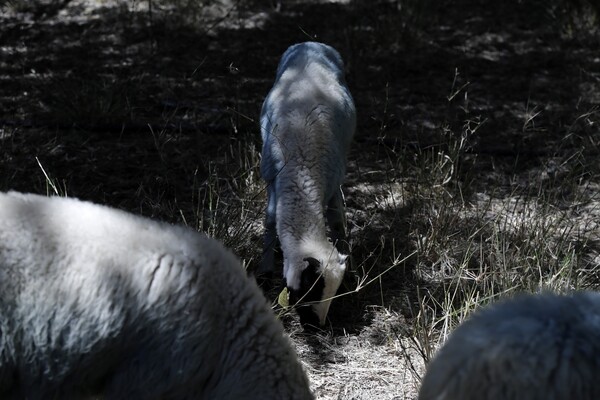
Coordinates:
x,y
336,219
268,258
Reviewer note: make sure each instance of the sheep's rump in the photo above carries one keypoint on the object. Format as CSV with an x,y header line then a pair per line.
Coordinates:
x,y
96,301
308,118
534,347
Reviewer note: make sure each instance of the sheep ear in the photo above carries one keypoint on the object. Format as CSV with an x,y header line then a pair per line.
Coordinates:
x,y
313,262
342,258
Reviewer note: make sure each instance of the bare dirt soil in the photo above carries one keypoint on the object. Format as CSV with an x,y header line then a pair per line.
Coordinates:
x,y
142,110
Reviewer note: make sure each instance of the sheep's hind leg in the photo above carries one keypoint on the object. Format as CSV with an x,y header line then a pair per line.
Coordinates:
x,y
336,219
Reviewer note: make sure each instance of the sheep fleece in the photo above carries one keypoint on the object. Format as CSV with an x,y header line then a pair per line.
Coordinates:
x,y
96,301
535,347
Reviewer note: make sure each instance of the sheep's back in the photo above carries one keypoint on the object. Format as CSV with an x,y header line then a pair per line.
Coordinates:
x,y
534,347
308,118
99,300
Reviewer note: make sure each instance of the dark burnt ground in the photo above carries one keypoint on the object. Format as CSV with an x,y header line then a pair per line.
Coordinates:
x,y
149,113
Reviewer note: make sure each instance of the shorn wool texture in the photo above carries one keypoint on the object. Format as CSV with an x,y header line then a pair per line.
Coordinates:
x,y
534,347
99,302
308,120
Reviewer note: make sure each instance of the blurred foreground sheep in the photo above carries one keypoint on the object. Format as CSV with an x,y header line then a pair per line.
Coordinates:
x,y
534,347
98,302
307,123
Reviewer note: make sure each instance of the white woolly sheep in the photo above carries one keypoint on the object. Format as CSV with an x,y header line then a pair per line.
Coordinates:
x,y
307,123
98,302
535,347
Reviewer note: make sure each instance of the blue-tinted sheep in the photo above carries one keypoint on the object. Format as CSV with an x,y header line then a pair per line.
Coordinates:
x,y
307,123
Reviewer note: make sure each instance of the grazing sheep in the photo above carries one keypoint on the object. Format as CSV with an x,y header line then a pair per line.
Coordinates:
x,y
307,123
98,302
535,347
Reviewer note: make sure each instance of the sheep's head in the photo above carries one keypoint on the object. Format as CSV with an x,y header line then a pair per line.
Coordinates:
x,y
313,284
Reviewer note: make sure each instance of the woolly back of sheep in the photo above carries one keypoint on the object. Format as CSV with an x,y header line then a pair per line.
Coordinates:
x,y
534,347
96,301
